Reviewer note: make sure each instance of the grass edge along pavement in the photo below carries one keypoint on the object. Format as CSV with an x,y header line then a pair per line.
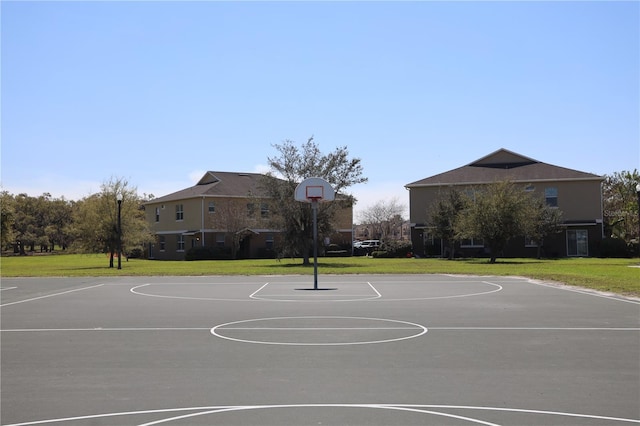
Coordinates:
x,y
620,276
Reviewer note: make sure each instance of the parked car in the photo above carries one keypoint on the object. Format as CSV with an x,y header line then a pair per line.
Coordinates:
x,y
365,247
370,244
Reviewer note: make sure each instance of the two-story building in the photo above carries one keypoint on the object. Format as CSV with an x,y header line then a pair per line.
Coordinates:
x,y
577,194
228,212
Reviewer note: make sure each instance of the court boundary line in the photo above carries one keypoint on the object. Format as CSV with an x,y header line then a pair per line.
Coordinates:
x,y
43,330
50,295
582,290
355,405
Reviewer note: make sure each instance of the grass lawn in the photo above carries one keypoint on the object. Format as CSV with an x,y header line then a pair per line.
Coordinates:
x,y
610,275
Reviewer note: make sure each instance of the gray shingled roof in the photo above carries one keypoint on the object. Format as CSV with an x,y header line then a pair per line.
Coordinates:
x,y
219,184
503,165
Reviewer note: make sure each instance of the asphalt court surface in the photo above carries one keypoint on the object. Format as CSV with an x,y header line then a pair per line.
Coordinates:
x,y
360,350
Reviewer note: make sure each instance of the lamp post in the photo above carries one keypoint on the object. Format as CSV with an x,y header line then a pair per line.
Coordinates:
x,y
119,198
638,194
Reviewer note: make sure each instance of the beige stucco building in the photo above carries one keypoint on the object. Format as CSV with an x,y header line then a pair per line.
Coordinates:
x,y
577,194
225,212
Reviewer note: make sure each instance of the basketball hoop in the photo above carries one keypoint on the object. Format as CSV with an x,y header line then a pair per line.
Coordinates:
x,y
314,190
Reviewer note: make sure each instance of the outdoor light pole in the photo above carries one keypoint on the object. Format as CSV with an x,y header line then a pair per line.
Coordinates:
x,y
119,198
638,194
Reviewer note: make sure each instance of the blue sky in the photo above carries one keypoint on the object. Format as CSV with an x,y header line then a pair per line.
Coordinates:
x,y
159,92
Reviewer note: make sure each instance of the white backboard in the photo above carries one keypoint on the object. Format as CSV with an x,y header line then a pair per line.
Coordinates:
x,y
314,188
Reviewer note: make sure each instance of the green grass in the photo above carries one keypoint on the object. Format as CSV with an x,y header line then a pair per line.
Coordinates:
x,y
610,275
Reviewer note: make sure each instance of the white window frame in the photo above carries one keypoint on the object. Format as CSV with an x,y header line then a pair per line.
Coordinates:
x,y
551,196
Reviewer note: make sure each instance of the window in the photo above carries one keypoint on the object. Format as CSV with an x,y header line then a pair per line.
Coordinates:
x,y
162,241
529,188
472,242
157,214
264,210
577,242
180,242
212,207
251,209
220,239
551,196
269,241
179,212
530,242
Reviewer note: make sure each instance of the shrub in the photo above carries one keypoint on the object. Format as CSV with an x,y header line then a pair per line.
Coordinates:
x,y
335,250
614,247
208,253
136,253
396,249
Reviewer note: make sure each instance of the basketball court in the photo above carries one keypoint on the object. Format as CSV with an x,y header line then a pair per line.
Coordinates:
x,y
356,350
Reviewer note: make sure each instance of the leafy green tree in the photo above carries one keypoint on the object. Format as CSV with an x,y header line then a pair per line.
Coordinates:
x,y
443,216
620,205
7,217
291,166
543,221
497,213
30,221
96,220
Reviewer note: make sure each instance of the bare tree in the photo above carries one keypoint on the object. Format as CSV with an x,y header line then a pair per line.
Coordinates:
x,y
233,217
384,217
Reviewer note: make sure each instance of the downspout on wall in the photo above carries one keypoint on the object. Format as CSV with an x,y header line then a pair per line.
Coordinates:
x,y
202,222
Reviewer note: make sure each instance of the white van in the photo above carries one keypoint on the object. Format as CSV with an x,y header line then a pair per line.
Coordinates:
x,y
370,244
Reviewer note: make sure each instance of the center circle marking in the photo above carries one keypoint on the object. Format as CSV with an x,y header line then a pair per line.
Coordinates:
x,y
318,331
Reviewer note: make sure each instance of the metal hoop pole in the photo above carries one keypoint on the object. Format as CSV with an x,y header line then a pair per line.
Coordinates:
x,y
314,206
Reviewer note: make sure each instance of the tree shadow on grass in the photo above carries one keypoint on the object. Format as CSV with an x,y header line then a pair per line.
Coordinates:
x,y
310,266
486,261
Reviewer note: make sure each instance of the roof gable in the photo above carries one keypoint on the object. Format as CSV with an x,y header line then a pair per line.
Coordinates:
x,y
503,159
219,184
504,165
208,178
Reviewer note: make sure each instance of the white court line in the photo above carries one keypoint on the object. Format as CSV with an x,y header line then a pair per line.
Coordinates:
x,y
374,289
17,330
7,288
107,329
317,328
331,297
541,328
50,295
426,408
375,406
231,325
315,295
586,292
257,291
